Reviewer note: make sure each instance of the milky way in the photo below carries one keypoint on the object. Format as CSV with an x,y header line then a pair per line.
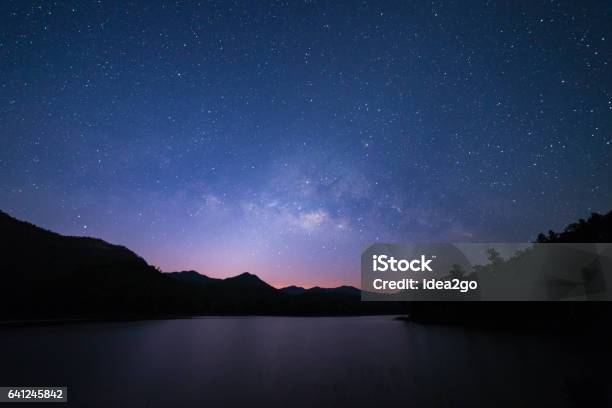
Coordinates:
x,y
283,138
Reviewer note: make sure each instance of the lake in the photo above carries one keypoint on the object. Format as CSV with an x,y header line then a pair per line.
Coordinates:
x,y
297,362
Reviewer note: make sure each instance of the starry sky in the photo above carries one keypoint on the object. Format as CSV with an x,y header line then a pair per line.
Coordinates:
x,y
282,138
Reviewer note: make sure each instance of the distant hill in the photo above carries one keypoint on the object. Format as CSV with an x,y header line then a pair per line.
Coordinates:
x,y
248,292
48,275
293,290
340,290
247,280
191,277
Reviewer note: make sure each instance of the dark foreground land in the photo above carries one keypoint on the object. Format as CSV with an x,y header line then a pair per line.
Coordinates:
x,y
47,276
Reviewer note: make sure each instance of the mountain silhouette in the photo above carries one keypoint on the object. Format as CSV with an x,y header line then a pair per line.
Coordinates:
x,y
293,290
340,290
248,280
49,275
343,290
191,277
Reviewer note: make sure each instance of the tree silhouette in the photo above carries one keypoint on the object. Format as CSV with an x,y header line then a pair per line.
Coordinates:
x,y
597,228
457,272
494,257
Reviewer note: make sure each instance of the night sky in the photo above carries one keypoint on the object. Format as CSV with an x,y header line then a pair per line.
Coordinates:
x,y
283,138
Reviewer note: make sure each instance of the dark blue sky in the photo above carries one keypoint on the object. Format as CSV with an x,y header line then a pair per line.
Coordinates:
x,y
282,138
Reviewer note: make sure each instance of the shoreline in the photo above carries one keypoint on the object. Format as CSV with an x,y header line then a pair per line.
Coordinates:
x,y
69,321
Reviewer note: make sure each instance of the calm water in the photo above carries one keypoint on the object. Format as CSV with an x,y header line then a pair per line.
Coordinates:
x,y
287,362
